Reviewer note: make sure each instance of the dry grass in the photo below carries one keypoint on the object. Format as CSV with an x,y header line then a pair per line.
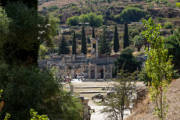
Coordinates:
x,y
58,3
144,110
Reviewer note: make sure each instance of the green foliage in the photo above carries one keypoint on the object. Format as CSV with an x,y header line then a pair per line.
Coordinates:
x,y
139,41
84,18
7,117
116,39
35,116
63,47
1,91
74,44
20,42
52,8
83,41
26,88
126,41
173,46
73,21
178,4
168,25
95,20
104,45
42,51
71,107
142,76
158,67
48,30
22,32
130,14
4,29
127,62
91,18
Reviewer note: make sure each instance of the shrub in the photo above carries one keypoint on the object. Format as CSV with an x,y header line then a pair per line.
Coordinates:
x,y
29,87
168,25
127,62
178,4
93,19
26,88
73,21
130,14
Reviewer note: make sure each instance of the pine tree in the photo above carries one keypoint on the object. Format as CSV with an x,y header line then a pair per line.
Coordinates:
x,y
116,39
104,45
83,41
63,48
74,44
126,36
93,32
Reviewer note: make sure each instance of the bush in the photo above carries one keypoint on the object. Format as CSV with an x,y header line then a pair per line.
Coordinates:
x,y
130,14
178,4
29,87
168,25
73,21
26,88
91,18
127,62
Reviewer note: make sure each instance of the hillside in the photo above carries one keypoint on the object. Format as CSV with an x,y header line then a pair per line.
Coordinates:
x,y
144,110
58,3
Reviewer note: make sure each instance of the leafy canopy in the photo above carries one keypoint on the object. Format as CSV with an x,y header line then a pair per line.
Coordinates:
x,y
158,67
130,14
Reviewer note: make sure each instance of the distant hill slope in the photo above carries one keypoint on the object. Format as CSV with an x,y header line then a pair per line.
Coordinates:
x,y
144,111
59,3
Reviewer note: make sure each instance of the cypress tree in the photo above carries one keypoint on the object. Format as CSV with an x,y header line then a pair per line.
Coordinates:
x,y
93,32
74,44
104,45
116,39
126,36
83,41
63,48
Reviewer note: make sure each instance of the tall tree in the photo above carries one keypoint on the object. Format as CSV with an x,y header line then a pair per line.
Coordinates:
x,y
126,36
74,43
63,48
158,67
93,32
83,41
22,42
104,45
116,39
